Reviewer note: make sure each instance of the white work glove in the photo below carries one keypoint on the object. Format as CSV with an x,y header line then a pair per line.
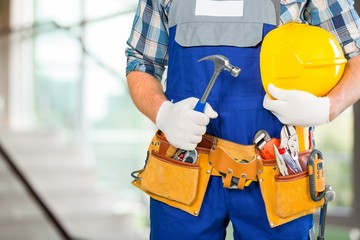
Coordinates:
x,y
182,125
297,108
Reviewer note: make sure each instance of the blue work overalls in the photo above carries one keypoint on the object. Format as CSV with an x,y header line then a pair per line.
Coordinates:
x,y
235,29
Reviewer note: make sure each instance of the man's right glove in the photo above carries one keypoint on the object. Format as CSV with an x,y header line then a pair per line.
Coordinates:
x,y
181,124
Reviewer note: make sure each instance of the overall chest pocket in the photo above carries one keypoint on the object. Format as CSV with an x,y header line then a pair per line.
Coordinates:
x,y
197,25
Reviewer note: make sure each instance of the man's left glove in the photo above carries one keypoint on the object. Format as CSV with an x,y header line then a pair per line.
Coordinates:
x,y
297,108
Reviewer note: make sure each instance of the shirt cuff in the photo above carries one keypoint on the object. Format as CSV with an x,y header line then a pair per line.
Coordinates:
x,y
137,63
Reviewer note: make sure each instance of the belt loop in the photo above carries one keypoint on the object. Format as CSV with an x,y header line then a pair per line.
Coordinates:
x,y
277,11
228,178
242,181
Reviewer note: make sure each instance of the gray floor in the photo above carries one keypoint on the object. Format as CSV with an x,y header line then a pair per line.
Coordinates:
x,y
57,171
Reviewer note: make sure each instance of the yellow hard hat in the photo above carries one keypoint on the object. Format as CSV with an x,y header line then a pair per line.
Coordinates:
x,y
302,57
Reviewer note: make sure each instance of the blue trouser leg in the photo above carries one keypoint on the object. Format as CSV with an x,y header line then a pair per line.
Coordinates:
x,y
245,209
248,216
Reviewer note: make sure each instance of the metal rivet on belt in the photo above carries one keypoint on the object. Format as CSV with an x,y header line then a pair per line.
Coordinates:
x,y
272,224
208,171
261,179
243,175
229,170
196,213
213,148
259,172
210,163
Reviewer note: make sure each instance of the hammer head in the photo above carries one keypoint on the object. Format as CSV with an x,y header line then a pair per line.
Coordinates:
x,y
222,63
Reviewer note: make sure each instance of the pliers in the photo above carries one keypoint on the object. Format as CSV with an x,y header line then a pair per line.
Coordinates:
x,y
289,142
280,162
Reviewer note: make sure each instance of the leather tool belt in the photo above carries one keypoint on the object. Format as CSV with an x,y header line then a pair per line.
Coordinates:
x,y
183,185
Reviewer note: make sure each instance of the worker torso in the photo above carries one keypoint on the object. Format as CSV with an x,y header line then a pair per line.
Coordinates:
x,y
234,29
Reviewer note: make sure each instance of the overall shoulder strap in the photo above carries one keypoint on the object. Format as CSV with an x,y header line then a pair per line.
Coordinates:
x,y
277,10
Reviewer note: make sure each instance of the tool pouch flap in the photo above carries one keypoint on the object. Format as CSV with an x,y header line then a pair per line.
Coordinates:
x,y
286,197
176,183
235,167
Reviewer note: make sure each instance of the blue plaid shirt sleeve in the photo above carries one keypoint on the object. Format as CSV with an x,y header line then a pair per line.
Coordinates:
x,y
339,18
148,41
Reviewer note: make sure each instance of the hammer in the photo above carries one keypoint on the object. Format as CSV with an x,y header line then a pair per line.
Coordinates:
x,y
220,63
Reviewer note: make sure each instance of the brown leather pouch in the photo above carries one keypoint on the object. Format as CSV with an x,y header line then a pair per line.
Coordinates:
x,y
170,179
176,183
286,197
237,164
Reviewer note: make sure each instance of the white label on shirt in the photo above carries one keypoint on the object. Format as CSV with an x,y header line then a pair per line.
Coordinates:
x,y
227,8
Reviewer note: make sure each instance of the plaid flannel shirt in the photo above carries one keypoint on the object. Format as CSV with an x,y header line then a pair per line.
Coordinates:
x,y
148,41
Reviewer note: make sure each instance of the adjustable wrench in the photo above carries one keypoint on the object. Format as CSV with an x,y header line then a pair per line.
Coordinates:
x,y
264,143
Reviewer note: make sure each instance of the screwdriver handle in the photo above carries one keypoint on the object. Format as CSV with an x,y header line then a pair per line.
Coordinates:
x,y
200,106
171,151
